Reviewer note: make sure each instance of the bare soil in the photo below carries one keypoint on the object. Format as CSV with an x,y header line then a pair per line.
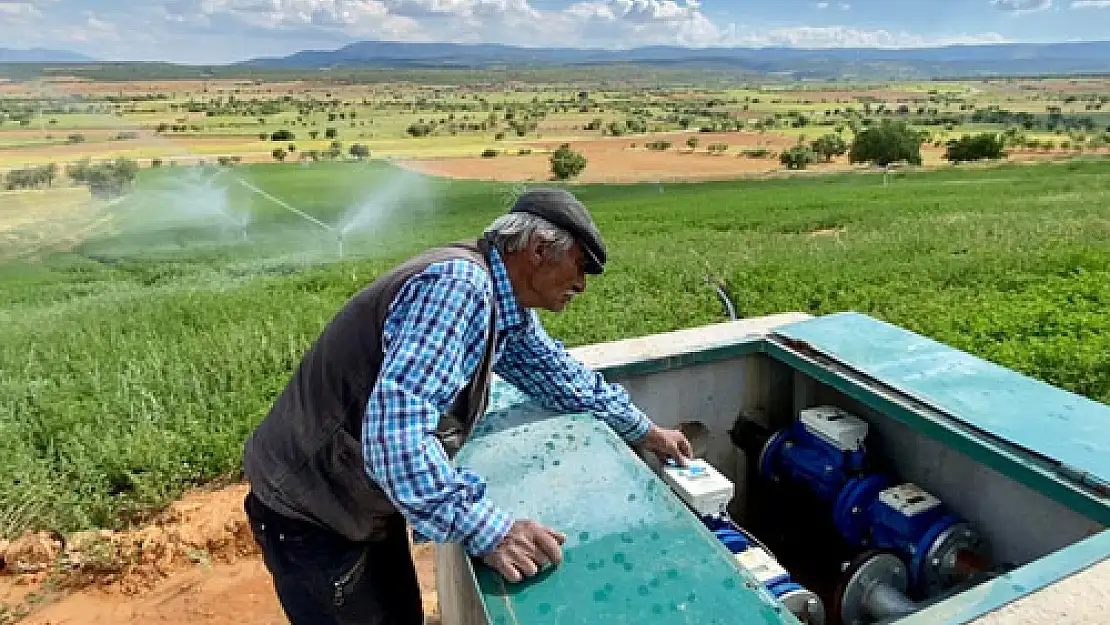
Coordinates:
x,y
625,159
848,97
196,563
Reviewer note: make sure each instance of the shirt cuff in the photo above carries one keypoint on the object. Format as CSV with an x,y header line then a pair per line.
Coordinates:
x,y
638,427
489,525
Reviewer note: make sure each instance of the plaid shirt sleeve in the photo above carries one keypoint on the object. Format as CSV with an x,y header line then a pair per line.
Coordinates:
x,y
433,340
539,366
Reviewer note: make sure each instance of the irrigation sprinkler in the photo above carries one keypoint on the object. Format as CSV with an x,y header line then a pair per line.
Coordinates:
x,y
332,229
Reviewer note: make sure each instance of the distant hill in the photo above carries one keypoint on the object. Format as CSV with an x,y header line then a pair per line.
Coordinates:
x,y
864,63
41,55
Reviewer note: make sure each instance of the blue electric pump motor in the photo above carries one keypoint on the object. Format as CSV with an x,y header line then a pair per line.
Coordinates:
x,y
873,513
824,450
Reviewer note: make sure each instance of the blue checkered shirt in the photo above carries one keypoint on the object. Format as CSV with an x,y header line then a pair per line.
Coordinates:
x,y
433,339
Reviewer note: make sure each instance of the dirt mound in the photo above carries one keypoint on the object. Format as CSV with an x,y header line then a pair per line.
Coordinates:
x,y
196,562
201,528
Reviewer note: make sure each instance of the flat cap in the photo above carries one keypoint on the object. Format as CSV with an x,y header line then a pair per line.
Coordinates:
x,y
561,208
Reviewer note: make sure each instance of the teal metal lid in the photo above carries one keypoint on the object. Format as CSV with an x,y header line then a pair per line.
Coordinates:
x,y
1040,418
634,552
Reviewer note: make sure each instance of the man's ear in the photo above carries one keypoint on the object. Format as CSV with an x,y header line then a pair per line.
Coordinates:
x,y
536,249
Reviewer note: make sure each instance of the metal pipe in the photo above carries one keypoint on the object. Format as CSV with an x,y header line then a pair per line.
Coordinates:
x,y
285,205
885,602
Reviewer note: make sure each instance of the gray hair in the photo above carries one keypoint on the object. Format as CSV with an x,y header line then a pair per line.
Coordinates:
x,y
512,232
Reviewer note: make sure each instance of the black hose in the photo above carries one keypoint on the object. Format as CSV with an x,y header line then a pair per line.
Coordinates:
x,y
724,298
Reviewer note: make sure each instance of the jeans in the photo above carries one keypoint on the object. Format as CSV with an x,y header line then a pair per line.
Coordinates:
x,y
321,578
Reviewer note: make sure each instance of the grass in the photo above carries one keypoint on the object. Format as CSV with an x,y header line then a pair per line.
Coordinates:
x,y
135,366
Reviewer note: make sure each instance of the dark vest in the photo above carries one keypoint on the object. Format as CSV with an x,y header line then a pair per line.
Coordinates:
x,y
305,459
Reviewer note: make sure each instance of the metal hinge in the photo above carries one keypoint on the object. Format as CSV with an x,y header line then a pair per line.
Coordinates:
x,y
1084,478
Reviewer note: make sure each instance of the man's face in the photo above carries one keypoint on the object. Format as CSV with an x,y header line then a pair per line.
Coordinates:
x,y
557,276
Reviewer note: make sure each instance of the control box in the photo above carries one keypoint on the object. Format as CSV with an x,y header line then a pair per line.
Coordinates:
x,y
837,427
908,499
701,486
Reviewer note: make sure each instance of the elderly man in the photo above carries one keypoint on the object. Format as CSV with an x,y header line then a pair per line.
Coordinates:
x,y
357,445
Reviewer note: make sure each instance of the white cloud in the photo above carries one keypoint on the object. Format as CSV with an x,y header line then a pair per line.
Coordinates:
x,y
18,8
1090,4
589,23
843,37
22,10
212,30
1022,6
89,29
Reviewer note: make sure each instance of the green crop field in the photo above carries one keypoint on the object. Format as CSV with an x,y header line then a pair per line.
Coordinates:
x,y
133,366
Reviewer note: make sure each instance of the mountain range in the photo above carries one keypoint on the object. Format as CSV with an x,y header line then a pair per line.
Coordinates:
x,y
962,60
1025,59
41,55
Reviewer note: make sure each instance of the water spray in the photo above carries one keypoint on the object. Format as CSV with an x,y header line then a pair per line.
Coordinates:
x,y
339,233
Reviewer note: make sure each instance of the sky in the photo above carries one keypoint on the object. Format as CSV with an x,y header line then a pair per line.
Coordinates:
x,y
222,31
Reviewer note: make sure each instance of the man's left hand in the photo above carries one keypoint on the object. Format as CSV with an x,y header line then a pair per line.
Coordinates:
x,y
667,445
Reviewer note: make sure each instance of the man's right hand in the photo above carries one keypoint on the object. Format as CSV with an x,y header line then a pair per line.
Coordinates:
x,y
526,549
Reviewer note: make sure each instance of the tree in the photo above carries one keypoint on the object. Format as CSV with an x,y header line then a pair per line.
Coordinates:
x,y
566,163
359,151
886,143
418,129
49,172
968,148
829,146
797,157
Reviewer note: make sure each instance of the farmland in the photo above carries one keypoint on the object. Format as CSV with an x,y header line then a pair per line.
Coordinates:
x,y
147,331
504,130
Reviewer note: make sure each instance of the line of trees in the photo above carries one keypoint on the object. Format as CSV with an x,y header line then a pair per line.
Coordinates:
x,y
882,144
31,177
104,180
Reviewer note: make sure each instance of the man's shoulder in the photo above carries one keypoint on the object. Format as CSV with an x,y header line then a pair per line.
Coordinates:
x,y
462,272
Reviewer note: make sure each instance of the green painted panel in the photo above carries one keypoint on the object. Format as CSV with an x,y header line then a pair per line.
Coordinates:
x,y
634,552
1036,416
